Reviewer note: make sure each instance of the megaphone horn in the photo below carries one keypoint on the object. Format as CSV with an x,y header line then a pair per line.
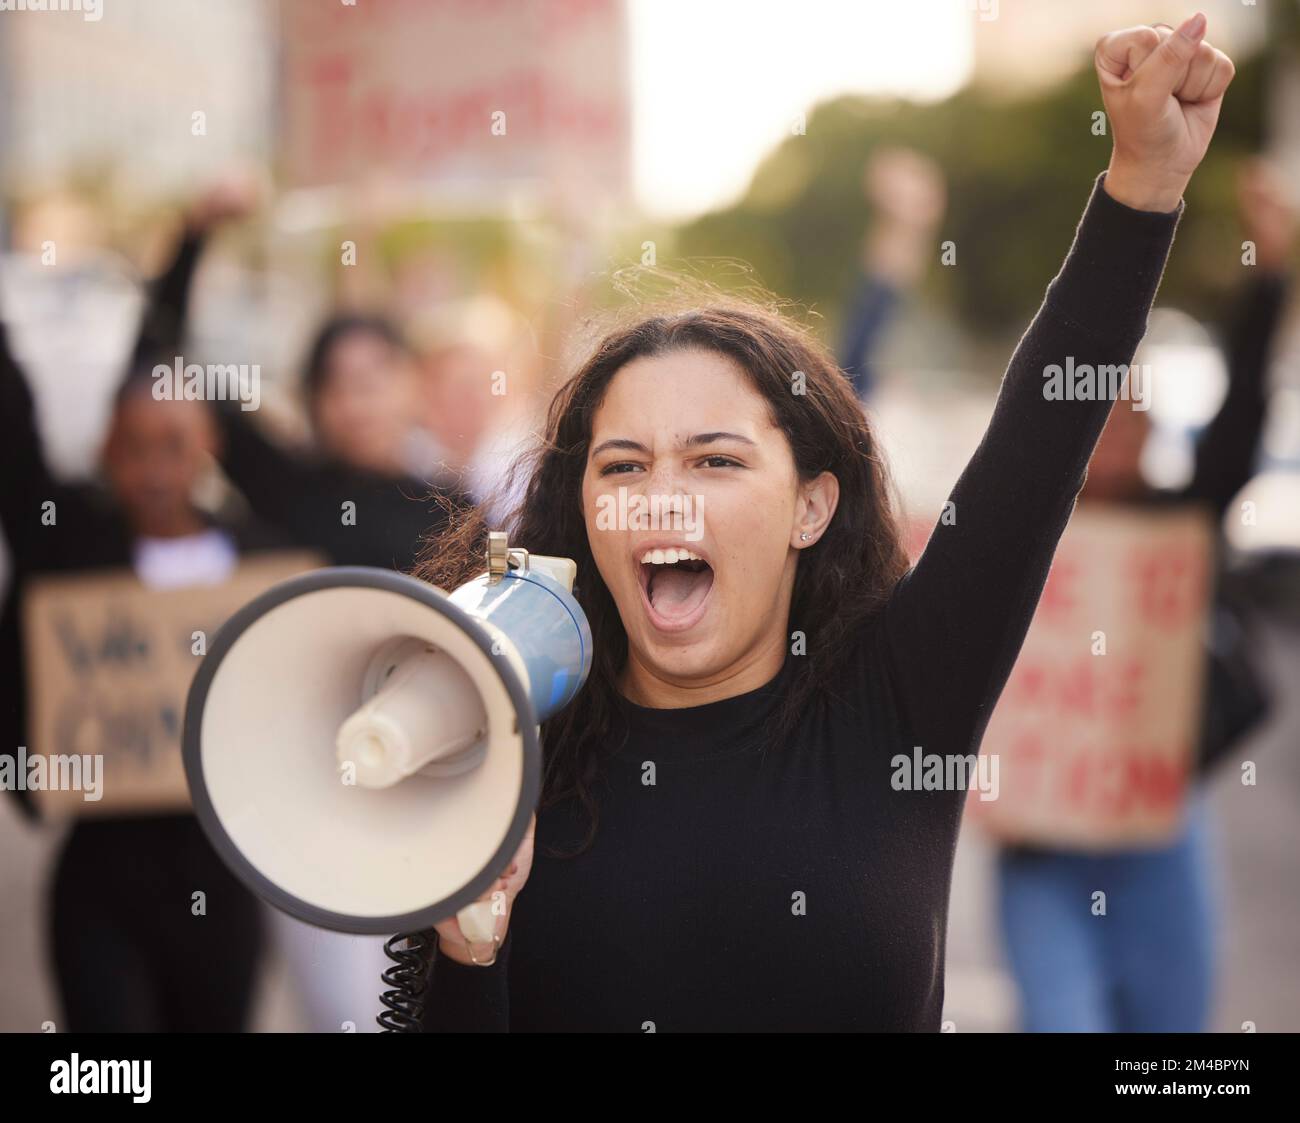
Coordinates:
x,y
363,749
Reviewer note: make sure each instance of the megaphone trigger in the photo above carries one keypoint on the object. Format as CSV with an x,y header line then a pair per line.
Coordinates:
x,y
477,922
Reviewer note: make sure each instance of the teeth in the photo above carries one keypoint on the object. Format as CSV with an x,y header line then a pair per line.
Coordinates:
x,y
671,556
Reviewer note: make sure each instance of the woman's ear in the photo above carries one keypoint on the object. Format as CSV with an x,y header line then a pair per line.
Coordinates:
x,y
817,502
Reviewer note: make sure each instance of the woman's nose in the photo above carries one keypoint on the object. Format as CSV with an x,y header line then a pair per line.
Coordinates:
x,y
664,478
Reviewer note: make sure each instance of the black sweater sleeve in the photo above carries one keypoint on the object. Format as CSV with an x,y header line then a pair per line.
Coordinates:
x,y
1225,454
956,621
278,483
34,532
23,471
162,327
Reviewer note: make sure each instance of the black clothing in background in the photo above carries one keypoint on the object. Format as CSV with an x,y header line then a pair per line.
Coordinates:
x,y
304,499
304,496
798,888
129,955
1227,450
1235,698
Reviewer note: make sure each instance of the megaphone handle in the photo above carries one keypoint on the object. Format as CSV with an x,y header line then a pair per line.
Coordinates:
x,y
477,922
412,952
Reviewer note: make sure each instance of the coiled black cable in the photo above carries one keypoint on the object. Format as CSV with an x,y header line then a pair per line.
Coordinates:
x,y
407,981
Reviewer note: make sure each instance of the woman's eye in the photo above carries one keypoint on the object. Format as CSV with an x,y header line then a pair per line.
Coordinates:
x,y
622,467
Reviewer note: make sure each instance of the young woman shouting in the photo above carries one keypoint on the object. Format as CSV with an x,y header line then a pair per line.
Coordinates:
x,y
725,841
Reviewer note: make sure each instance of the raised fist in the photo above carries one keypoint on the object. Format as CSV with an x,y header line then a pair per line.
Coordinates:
x,y
1163,90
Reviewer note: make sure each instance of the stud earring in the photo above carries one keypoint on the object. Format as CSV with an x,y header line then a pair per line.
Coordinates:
x,y
804,536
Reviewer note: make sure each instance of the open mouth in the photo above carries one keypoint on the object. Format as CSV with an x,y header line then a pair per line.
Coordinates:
x,y
675,583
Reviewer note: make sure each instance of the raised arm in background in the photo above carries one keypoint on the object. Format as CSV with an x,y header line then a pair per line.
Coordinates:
x,y
276,481
1227,450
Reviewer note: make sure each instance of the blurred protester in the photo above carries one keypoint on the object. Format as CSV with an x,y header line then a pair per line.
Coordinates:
x,y
158,332
1149,966
359,500
457,389
128,954
908,197
480,395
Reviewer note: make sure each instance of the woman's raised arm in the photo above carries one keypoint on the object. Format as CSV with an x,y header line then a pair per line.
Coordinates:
x,y
956,622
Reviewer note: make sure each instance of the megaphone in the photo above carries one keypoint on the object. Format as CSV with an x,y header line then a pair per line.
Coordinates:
x,y
362,748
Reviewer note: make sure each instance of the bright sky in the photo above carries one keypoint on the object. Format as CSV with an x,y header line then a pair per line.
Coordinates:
x,y
717,83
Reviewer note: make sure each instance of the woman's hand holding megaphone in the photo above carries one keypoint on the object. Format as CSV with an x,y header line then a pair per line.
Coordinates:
x,y
475,925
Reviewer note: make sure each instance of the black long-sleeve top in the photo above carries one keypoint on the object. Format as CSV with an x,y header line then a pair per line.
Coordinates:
x,y
799,889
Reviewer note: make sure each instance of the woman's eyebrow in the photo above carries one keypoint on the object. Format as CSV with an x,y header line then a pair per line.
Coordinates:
x,y
698,439
710,438
620,443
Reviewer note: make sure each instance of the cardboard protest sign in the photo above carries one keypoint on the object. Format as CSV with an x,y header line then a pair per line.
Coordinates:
x,y
109,663
472,95
1096,728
